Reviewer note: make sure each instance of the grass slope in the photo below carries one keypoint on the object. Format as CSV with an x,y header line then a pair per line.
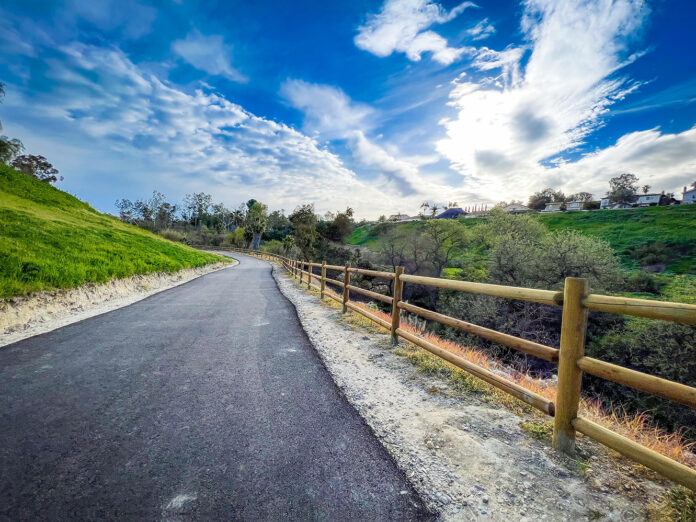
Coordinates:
x,y
49,240
625,230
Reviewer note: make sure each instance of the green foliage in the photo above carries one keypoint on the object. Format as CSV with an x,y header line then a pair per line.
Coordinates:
x,y
538,429
623,188
539,200
236,238
304,221
624,230
256,220
273,247
9,148
627,230
660,348
49,240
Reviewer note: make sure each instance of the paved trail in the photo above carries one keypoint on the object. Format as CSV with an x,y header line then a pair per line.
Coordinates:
x,y
206,401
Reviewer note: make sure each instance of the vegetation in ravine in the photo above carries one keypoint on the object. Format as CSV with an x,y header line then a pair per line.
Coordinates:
x,y
49,240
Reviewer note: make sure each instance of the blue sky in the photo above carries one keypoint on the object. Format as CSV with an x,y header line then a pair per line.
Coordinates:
x,y
374,105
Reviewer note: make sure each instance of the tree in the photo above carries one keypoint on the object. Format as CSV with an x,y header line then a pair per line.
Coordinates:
x,y
393,245
539,200
9,149
304,222
256,220
126,210
445,237
288,243
222,217
340,226
278,226
623,188
36,166
196,207
645,189
580,196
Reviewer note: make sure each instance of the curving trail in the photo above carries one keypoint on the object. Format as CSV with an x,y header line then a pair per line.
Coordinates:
x,y
206,401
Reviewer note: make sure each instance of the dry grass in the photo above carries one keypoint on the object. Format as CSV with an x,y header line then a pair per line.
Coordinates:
x,y
636,427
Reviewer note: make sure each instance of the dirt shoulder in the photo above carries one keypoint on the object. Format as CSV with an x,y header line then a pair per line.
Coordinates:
x,y
23,317
469,458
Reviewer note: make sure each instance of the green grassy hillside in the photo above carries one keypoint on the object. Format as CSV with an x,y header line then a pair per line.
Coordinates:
x,y
49,239
640,236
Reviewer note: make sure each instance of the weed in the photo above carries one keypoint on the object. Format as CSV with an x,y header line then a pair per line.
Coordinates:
x,y
678,504
538,429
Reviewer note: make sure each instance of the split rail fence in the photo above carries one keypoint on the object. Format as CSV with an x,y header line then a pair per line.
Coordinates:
x,y
576,301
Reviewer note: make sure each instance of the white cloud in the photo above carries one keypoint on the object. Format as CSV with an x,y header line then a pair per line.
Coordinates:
x,y
401,26
328,110
507,124
209,54
481,30
333,115
176,141
663,161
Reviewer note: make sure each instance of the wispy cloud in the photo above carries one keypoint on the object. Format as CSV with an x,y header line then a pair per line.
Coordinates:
x,y
402,25
481,30
209,54
510,122
189,140
331,114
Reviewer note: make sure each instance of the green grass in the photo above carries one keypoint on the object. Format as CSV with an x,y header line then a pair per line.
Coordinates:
x,y
625,230
675,226
50,240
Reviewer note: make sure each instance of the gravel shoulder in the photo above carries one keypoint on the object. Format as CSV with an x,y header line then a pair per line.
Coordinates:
x,y
468,458
24,317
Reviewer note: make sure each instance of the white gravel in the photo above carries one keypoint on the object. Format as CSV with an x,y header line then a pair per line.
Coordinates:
x,y
23,317
469,459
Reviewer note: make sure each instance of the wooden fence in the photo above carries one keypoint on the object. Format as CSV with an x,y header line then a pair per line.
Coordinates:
x,y
576,301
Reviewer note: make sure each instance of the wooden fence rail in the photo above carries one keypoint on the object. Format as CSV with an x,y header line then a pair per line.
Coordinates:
x,y
576,302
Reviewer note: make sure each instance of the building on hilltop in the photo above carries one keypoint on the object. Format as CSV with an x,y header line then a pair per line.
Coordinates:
x,y
516,208
401,218
648,200
606,204
451,213
689,196
564,205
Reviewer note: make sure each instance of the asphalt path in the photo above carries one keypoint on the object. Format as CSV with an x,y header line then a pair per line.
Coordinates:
x,y
205,401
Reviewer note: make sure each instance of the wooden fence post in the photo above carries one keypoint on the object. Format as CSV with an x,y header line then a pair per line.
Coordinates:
x,y
573,329
346,282
398,287
309,275
323,278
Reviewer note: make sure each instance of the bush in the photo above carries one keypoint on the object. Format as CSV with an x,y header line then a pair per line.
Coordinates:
x,y
235,238
273,247
173,235
644,282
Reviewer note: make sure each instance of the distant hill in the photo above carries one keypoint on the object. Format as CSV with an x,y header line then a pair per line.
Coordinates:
x,y
49,239
641,236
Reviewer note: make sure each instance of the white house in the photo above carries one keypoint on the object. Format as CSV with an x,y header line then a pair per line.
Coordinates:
x,y
689,196
517,209
648,200
556,207
606,204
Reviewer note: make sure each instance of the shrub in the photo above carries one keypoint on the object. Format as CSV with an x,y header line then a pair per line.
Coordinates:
x,y
173,235
273,247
